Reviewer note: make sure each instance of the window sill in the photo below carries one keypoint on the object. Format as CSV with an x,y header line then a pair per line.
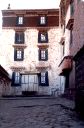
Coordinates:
x,y
19,60
19,45
43,45
43,65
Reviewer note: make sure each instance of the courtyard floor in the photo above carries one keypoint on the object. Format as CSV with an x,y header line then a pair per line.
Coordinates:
x,y
38,112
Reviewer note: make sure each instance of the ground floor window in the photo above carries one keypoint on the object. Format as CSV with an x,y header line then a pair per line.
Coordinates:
x,y
30,81
43,79
16,79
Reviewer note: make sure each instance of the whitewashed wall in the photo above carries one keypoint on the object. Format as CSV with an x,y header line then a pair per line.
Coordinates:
x,y
31,56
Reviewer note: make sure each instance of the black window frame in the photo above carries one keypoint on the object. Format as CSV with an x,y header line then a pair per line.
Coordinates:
x,y
14,82
19,37
71,36
63,48
46,79
40,38
42,24
40,55
72,8
18,23
15,54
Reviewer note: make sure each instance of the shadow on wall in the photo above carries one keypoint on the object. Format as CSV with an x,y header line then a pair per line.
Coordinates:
x,y
58,88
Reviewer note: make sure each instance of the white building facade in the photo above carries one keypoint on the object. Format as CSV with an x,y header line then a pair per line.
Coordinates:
x,y
31,50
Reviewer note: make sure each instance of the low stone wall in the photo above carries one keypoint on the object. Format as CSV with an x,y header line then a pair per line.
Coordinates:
x,y
5,82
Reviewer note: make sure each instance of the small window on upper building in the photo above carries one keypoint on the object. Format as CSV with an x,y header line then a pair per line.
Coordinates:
x,y
63,48
72,8
43,54
19,37
71,37
43,37
18,54
43,20
20,20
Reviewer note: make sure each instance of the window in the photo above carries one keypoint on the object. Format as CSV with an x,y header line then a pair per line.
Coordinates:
x,y
72,8
20,20
43,20
43,54
63,48
43,79
71,36
18,54
43,37
19,37
16,79
78,1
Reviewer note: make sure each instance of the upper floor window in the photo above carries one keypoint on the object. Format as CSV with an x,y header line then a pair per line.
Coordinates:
x,y
63,48
18,54
19,37
43,37
43,54
43,20
71,36
72,8
20,20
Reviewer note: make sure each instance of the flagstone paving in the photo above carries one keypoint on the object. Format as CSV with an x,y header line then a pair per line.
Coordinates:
x,y
38,113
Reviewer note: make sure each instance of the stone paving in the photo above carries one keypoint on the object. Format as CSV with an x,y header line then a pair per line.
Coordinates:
x,y
38,113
